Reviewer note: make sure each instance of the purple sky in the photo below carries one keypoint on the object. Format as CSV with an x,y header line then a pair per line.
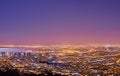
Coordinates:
x,y
59,21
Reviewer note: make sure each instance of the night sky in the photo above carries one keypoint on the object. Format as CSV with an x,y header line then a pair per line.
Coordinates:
x,y
59,21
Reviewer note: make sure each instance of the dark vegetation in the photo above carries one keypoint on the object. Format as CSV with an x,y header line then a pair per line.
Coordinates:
x,y
17,73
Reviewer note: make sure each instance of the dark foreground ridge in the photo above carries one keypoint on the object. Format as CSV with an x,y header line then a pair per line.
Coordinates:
x,y
17,73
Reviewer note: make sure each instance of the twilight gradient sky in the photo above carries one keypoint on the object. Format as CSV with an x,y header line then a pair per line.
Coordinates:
x,y
59,21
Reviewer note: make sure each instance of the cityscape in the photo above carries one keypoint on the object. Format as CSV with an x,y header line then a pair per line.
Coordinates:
x,y
59,37
61,60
